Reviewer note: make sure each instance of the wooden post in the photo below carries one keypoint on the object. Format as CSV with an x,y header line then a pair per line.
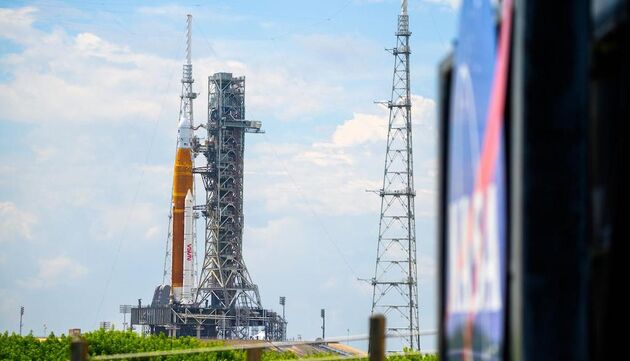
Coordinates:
x,y
376,346
78,349
254,354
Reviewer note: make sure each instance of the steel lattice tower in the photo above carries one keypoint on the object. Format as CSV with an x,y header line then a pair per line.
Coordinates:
x,y
225,281
395,288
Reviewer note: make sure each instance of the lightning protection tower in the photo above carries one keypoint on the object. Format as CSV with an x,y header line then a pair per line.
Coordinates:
x,y
395,291
185,111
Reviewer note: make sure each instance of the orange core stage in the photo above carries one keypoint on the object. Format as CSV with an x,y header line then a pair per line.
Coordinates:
x,y
182,183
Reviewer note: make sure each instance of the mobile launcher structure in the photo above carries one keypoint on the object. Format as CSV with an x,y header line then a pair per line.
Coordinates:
x,y
224,303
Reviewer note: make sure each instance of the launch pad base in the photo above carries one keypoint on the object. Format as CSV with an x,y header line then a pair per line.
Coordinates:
x,y
210,323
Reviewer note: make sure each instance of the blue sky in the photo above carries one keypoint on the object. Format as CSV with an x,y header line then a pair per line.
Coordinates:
x,y
89,97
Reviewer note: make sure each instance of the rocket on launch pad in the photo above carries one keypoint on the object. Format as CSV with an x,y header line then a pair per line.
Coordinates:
x,y
182,211
223,302
182,270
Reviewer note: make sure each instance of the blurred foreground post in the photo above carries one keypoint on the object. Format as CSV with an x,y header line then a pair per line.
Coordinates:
x,y
376,347
78,349
254,354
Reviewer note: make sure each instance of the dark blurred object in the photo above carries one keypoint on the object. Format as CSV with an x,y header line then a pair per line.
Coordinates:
x,y
569,94
609,98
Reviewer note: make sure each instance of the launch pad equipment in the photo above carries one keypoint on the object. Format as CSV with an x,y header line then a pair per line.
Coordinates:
x,y
226,303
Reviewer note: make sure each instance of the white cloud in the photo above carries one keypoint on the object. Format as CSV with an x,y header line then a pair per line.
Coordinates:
x,y
365,128
15,223
122,220
59,270
331,176
451,4
15,24
360,129
318,178
423,111
153,232
272,235
288,95
95,80
278,245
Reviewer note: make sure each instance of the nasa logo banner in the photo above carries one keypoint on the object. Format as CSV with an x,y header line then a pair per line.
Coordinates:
x,y
475,250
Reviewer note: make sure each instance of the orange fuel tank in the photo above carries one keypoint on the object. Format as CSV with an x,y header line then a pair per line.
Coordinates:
x,y
182,184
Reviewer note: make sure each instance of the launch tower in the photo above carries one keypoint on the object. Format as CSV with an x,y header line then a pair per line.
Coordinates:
x,y
225,281
395,288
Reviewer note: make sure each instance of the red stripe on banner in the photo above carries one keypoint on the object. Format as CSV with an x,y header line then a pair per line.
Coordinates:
x,y
490,150
492,137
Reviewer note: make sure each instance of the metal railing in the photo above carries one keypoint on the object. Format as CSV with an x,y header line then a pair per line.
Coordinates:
x,y
376,348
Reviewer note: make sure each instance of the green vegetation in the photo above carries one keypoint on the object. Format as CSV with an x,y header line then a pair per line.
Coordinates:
x,y
411,356
26,348
15,347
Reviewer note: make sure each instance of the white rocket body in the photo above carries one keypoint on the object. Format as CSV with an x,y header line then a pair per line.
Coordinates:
x,y
184,132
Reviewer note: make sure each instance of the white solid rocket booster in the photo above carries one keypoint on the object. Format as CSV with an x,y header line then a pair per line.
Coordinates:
x,y
189,277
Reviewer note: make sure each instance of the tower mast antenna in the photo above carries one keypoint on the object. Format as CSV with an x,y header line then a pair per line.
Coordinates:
x,y
188,39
